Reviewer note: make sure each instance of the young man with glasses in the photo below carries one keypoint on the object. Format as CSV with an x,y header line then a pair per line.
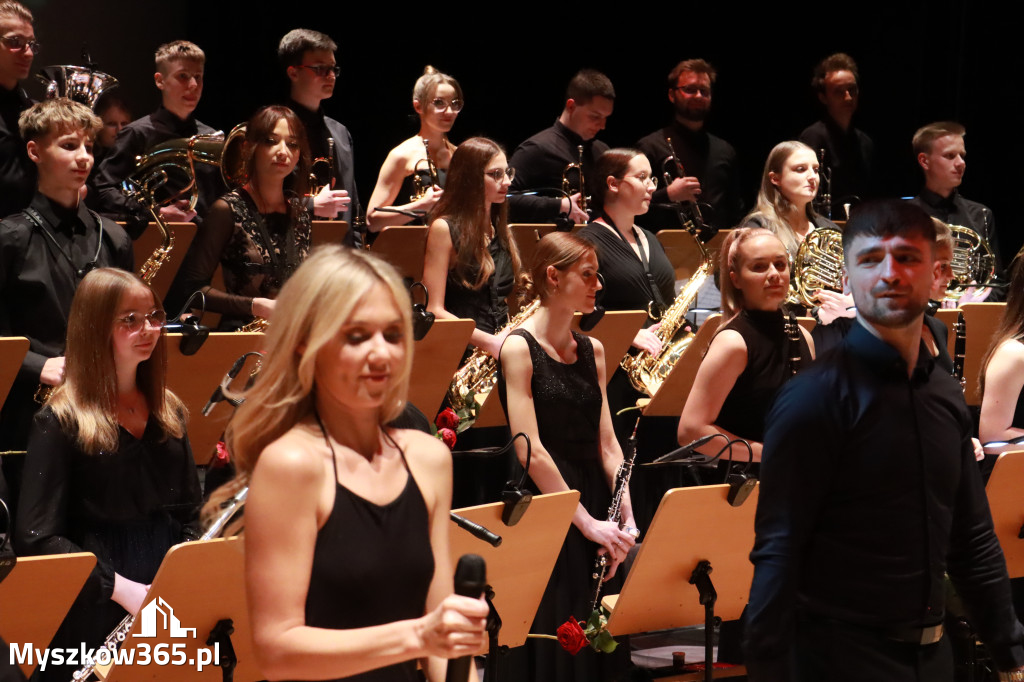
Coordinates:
x,y
46,250
18,47
708,163
308,60
179,77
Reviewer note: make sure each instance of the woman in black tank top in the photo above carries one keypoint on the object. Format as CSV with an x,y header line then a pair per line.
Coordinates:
x,y
347,566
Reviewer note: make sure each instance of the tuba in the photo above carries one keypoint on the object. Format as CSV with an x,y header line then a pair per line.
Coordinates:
x,y
567,188
81,84
419,184
647,372
473,382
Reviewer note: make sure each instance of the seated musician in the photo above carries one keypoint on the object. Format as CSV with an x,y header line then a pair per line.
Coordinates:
x,y
46,250
308,60
19,46
1002,369
109,469
179,77
749,358
541,160
437,99
258,233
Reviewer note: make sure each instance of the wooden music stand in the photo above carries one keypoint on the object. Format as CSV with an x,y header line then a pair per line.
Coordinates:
x,y
981,320
948,317
615,331
327,232
671,397
1004,500
148,242
681,248
12,353
520,568
435,360
526,236
201,583
194,377
37,595
404,246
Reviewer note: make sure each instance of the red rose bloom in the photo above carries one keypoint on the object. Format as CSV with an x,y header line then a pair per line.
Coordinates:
x,y
222,457
447,436
447,419
571,636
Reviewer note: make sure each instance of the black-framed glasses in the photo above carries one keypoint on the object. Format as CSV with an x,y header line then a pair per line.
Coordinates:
x,y
440,104
16,43
498,173
323,70
133,321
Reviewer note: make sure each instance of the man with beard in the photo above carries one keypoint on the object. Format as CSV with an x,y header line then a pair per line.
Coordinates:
x,y
941,153
708,162
870,492
849,153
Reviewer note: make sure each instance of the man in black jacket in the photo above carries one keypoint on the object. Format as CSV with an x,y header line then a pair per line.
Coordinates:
x,y
17,48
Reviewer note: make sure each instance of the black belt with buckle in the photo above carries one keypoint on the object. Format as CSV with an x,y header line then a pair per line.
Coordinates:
x,y
921,636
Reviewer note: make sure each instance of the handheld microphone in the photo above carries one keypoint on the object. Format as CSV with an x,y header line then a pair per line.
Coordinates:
x,y
470,581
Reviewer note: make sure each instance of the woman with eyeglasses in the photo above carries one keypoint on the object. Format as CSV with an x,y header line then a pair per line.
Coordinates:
x,y
109,469
405,180
258,233
637,273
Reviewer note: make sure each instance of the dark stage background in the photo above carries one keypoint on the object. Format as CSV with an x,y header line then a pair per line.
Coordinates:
x,y
919,62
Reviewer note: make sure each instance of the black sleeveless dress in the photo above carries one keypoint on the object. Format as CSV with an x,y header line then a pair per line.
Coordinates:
x,y
372,564
567,400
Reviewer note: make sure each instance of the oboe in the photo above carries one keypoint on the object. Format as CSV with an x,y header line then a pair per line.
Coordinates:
x,y
622,477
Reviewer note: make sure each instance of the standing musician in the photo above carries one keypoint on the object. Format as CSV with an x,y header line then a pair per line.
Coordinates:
x,y
637,273
179,77
437,99
542,161
942,155
18,47
46,250
870,492
308,60
709,162
259,232
326,475
552,387
849,152
755,350
109,468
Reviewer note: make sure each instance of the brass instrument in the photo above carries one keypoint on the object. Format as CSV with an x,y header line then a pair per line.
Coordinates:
x,y
120,633
81,84
420,186
818,265
567,188
689,211
258,324
315,186
647,372
476,378
622,476
973,261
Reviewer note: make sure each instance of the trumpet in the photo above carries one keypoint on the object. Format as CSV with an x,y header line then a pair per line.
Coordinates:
x,y
567,188
327,164
419,184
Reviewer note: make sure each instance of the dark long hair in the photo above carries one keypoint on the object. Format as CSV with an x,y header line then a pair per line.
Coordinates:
x,y
260,127
462,205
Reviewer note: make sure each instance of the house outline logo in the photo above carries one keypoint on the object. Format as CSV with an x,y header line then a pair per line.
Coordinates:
x,y
148,617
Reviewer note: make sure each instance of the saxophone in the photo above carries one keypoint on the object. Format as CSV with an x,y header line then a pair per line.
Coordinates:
x,y
473,382
647,372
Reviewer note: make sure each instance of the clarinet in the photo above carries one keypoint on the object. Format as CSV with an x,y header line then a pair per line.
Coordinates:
x,y
960,350
792,329
622,477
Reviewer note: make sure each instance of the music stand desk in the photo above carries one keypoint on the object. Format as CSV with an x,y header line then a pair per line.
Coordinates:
x,y
681,248
672,395
520,568
404,246
193,378
327,232
526,236
435,360
981,320
1004,499
37,595
12,353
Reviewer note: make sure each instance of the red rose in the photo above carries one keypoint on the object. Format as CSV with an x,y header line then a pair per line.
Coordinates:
x,y
448,436
571,636
222,457
447,419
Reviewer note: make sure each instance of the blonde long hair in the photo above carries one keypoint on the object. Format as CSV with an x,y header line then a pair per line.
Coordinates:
x,y
313,305
772,206
86,403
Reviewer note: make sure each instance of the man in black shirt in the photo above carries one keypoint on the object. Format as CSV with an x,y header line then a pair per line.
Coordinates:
x,y
710,174
179,77
849,153
17,48
541,160
870,492
941,153
308,59
47,249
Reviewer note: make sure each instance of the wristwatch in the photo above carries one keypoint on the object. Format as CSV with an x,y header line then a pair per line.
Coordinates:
x,y
1012,676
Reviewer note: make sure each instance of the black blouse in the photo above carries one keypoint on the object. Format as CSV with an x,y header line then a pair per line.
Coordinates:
x,y
487,305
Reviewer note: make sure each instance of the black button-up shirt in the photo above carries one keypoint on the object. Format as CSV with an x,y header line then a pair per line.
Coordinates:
x,y
869,494
849,154
17,172
955,210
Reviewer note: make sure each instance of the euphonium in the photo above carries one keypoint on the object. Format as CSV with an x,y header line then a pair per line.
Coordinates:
x,y
973,262
421,186
81,84
647,372
818,265
473,382
567,188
